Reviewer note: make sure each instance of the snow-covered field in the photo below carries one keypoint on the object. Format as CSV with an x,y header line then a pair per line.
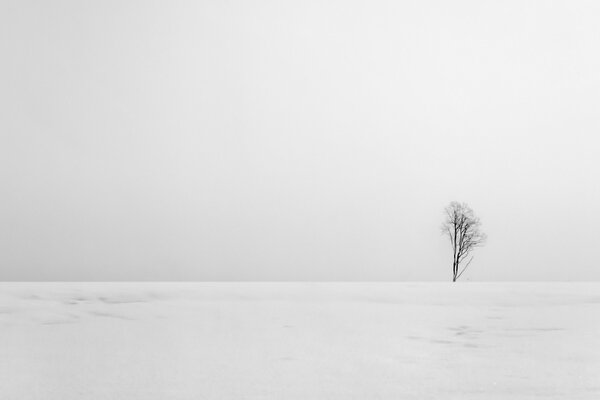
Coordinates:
x,y
299,341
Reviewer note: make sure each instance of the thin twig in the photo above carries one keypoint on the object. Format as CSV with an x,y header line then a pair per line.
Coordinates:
x,y
465,267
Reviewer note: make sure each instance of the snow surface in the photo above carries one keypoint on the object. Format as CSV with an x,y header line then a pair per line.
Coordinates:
x,y
299,341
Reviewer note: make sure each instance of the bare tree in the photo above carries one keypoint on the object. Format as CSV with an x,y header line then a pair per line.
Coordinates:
x,y
464,230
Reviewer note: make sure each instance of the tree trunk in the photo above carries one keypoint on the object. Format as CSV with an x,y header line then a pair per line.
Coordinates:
x,y
454,271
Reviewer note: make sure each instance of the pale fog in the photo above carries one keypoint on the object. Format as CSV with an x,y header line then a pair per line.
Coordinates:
x,y
297,140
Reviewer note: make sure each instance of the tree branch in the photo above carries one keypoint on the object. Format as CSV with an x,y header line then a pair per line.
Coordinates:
x,y
461,272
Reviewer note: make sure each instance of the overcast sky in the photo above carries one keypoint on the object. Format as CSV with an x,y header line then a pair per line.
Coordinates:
x,y
297,140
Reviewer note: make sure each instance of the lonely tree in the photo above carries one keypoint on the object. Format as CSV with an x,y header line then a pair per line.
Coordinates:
x,y
464,230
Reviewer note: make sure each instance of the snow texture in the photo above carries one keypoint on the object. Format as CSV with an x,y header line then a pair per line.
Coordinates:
x,y
61,341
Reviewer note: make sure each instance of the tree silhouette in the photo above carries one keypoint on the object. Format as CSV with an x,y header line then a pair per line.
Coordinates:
x,y
464,230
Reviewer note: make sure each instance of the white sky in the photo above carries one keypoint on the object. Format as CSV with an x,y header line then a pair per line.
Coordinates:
x,y
297,140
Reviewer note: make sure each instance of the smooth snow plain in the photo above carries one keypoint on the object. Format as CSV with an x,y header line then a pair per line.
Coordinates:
x,y
299,341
